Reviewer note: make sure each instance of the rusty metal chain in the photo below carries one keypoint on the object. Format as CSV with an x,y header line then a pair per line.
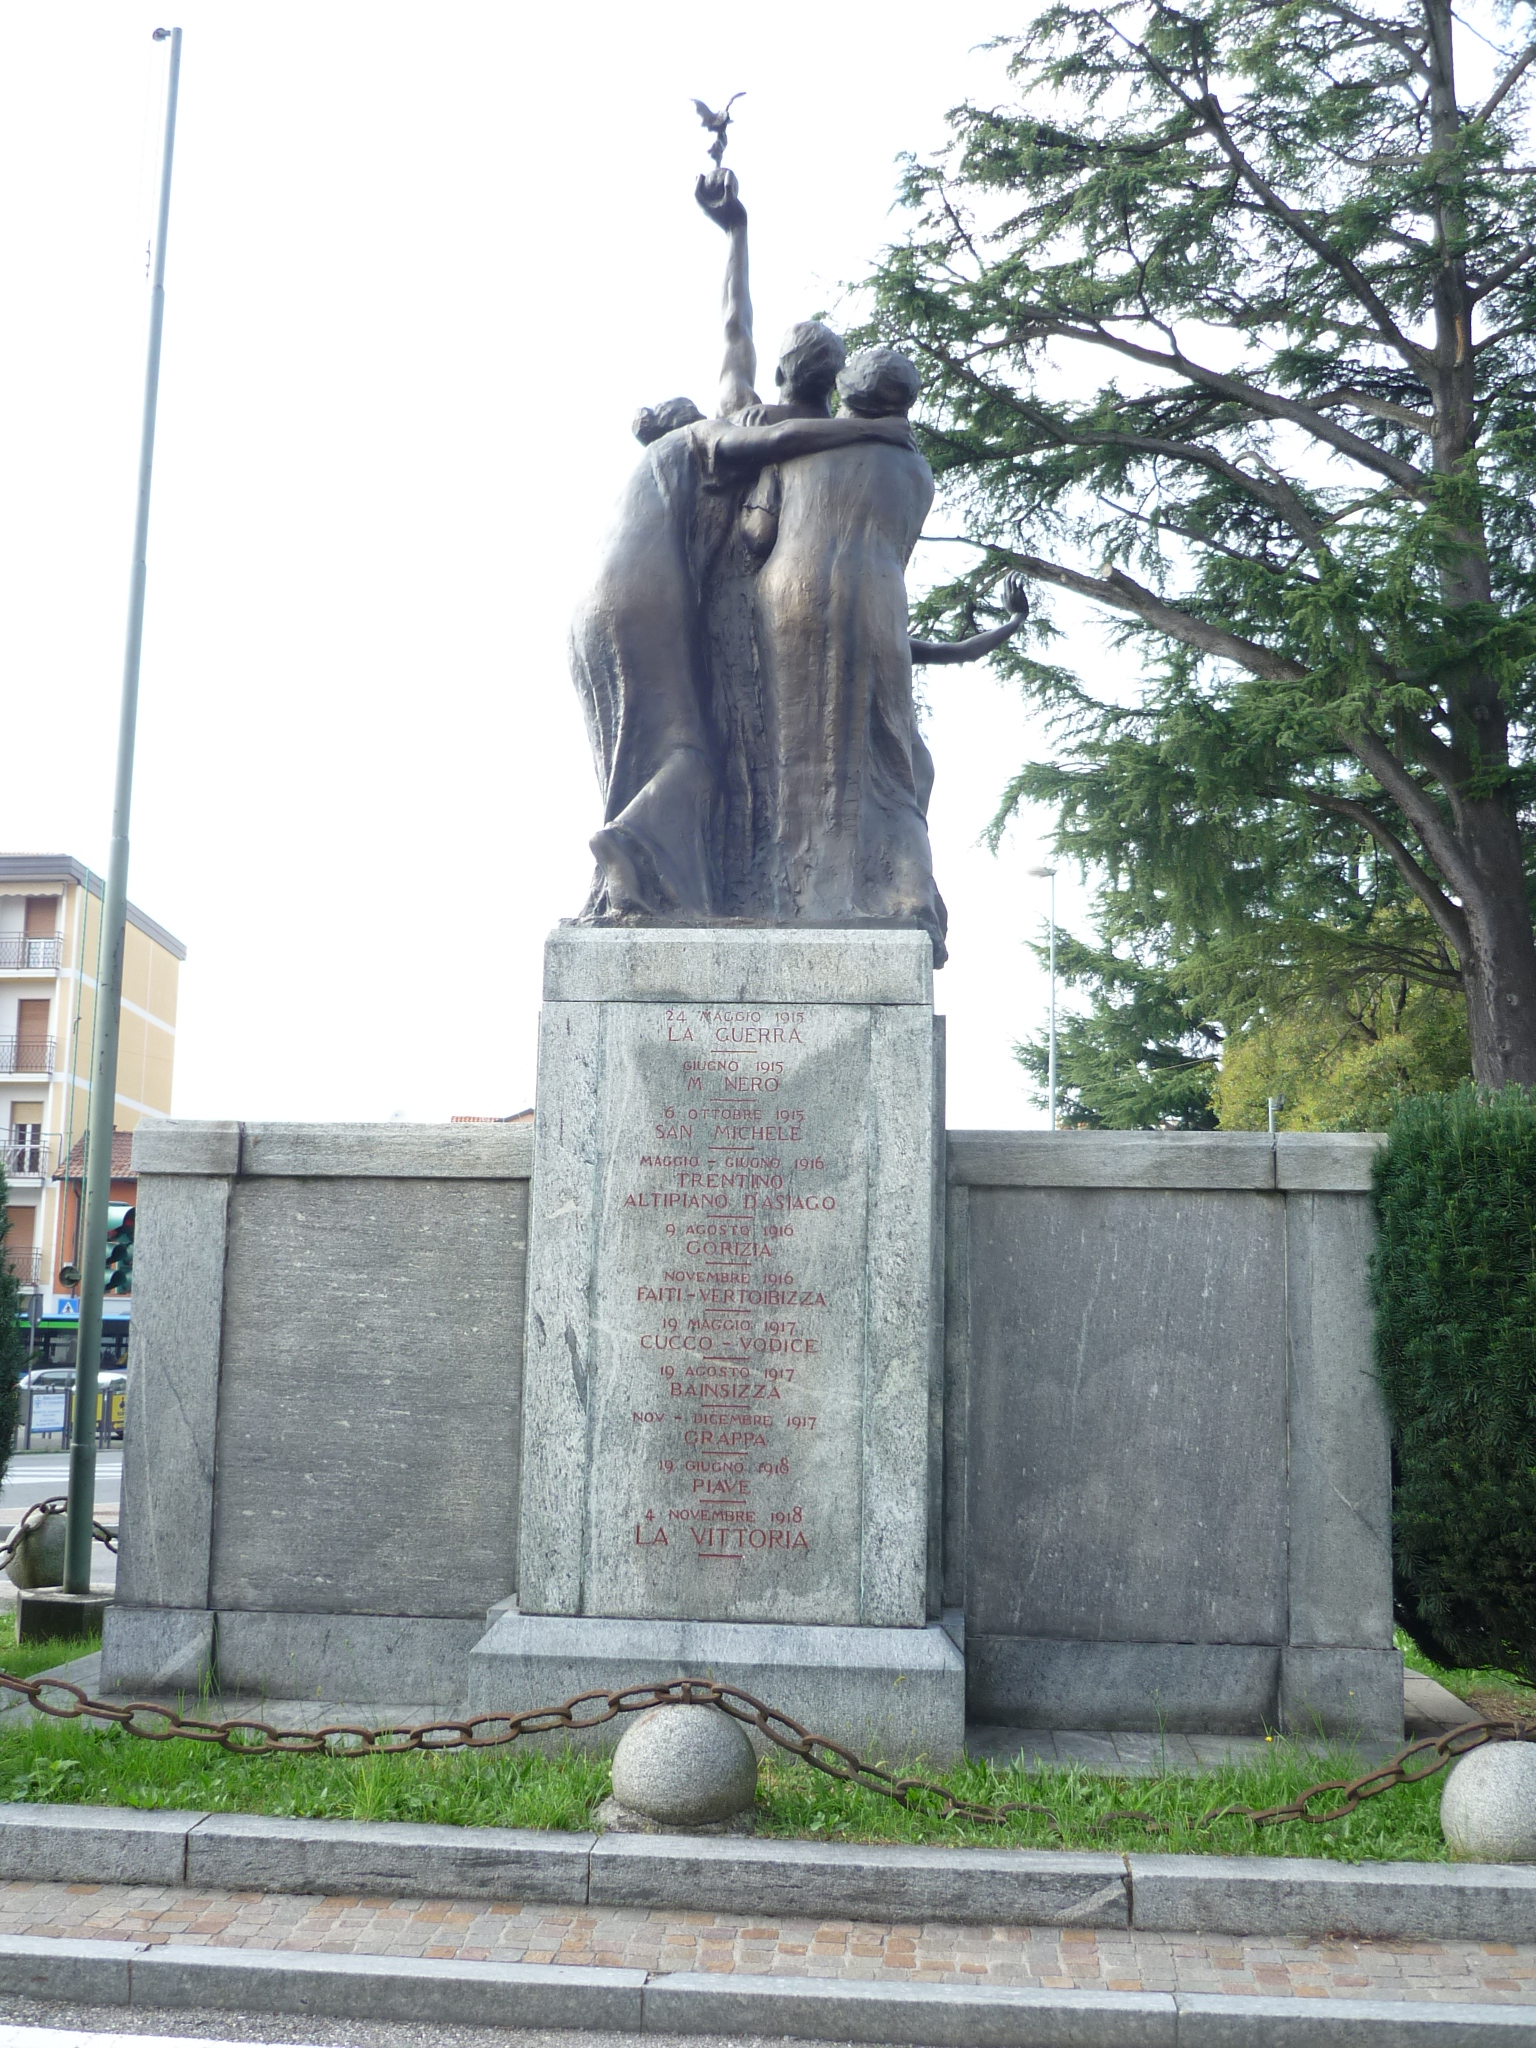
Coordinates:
x,y
1436,1750
42,1511
243,1737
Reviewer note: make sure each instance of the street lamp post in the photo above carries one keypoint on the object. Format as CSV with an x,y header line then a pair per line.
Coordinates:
x,y
34,1315
34,1310
1050,1083
109,993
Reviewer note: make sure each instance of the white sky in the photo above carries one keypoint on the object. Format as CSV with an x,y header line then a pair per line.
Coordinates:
x,y
423,265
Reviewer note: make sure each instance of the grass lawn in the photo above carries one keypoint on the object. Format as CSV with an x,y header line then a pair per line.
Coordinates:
x,y
25,1660
1488,1693
73,1761
511,1788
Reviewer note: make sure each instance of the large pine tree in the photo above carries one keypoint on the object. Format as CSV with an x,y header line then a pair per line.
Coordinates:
x,y
1308,267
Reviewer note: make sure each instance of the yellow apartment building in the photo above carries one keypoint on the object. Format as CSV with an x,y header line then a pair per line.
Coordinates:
x,y
50,952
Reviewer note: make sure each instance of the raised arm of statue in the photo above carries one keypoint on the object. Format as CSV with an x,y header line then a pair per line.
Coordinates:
x,y
1016,594
717,195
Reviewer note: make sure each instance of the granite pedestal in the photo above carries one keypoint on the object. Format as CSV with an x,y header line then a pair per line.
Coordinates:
x,y
732,1355
892,1693
1165,1471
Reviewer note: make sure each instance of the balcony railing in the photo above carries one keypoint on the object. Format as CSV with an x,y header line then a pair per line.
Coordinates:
x,y
37,1157
26,1265
16,951
27,1055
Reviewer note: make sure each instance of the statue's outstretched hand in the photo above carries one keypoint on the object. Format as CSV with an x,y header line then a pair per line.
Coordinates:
x,y
1015,596
892,427
716,193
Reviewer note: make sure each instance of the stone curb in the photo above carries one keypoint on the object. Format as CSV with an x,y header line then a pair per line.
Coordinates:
x,y
899,1882
429,1992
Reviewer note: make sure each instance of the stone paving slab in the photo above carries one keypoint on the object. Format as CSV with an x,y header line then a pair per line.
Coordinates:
x,y
851,1951
771,1878
1108,1753
434,2003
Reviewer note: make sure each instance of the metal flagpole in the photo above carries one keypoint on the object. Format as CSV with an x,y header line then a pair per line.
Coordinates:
x,y
1050,1085
109,986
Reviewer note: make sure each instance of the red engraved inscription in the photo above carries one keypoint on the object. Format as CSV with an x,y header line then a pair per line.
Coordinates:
x,y
730,1326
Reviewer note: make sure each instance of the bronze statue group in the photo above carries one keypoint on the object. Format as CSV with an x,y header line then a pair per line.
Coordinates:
x,y
743,657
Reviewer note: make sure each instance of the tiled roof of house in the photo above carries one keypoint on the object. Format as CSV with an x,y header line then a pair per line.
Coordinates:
x,y
122,1158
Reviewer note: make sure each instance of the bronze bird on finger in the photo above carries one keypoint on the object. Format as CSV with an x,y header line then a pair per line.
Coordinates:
x,y
717,124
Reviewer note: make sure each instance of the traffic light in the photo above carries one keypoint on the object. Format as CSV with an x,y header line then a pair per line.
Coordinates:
x,y
120,1257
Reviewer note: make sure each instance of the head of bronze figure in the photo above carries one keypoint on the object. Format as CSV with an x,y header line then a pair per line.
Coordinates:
x,y
877,382
652,421
809,362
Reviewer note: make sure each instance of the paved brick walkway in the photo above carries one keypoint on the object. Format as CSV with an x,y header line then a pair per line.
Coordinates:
x,y
1446,1971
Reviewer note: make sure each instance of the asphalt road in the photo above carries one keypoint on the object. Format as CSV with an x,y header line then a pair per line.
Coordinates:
x,y
29,2023
40,1475
37,1475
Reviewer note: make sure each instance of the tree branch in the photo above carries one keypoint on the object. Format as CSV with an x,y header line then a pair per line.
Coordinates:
x,y
1123,594
958,225
1382,408
1379,32
1416,357
1507,83
1206,109
1280,499
1448,916
1266,404
1484,286
1500,334
1206,540
1417,806
1441,760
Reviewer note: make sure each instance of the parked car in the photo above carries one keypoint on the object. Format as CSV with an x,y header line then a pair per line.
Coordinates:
x,y
111,1386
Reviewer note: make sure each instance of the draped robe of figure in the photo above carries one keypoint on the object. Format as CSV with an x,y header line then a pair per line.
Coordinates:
x,y
848,777
638,660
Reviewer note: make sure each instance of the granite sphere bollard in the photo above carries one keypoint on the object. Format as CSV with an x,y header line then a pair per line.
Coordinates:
x,y
1488,1807
39,1559
685,1767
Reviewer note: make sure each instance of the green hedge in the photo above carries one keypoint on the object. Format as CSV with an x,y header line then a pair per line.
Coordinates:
x,y
1454,1279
